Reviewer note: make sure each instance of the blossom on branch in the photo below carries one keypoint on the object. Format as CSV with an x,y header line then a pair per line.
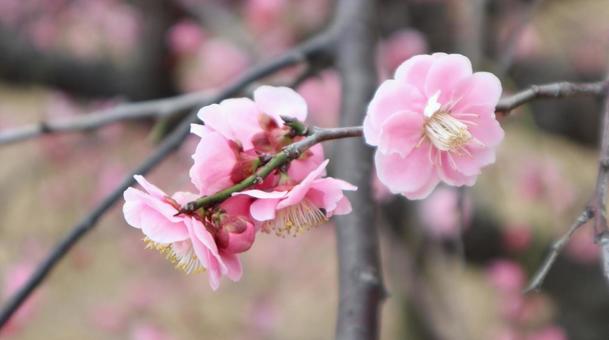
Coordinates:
x,y
435,121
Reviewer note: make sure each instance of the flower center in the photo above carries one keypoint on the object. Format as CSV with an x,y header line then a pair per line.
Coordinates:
x,y
445,132
181,254
295,219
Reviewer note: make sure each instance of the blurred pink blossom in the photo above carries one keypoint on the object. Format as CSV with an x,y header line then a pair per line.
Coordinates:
x,y
517,238
186,37
440,213
217,62
147,331
399,46
108,317
263,15
322,94
582,248
548,333
506,276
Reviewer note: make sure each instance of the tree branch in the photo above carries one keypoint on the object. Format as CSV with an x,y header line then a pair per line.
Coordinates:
x,y
552,90
303,52
288,154
361,289
556,249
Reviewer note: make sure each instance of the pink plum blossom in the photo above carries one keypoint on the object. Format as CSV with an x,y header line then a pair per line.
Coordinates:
x,y
440,213
322,94
237,131
193,243
433,122
506,276
399,46
185,37
291,209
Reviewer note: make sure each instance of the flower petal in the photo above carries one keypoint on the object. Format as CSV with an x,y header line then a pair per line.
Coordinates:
x,y
401,132
391,97
414,70
214,160
404,174
280,101
264,209
445,73
299,191
481,88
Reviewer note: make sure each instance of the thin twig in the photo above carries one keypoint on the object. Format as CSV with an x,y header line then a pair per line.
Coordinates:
x,y
288,154
318,44
555,250
551,90
147,109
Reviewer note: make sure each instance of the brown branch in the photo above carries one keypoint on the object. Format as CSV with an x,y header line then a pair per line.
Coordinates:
x,y
552,90
288,154
361,288
317,45
556,248
132,111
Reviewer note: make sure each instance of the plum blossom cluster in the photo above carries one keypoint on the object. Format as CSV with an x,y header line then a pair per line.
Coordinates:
x,y
239,136
435,121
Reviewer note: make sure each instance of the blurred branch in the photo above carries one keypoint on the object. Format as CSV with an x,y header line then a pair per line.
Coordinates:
x,y
361,289
555,250
301,53
288,154
158,108
506,56
551,90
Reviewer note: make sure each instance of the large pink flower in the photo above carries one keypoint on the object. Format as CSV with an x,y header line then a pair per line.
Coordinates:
x,y
194,243
301,206
434,122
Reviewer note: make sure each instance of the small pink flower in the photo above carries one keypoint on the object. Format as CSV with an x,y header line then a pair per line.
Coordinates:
x,y
193,243
517,238
506,276
399,46
434,122
237,130
440,213
185,37
301,206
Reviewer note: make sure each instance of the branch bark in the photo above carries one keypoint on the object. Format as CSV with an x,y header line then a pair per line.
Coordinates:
x,y
360,280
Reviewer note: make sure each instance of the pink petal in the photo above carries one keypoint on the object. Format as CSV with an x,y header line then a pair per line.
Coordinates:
x,y
425,190
327,192
214,161
299,191
404,174
200,233
488,131
301,167
391,97
343,207
401,132
481,88
280,101
264,209
234,269
445,73
414,70
240,242
149,187
448,173
235,119
159,229
470,165
262,194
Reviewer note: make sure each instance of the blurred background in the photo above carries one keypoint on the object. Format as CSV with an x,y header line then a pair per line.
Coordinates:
x,y
65,58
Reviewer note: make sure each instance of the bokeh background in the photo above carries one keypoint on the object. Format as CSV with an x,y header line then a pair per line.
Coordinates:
x,y
62,58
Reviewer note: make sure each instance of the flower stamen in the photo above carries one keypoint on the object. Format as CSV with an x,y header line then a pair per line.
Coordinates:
x,y
296,219
181,254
